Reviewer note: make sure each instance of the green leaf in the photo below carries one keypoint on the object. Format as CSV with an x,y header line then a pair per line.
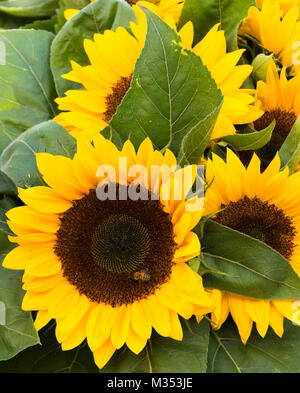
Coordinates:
x,y
32,8
246,265
289,152
16,327
68,44
18,159
49,358
7,186
27,88
165,355
206,13
271,354
63,6
172,98
252,140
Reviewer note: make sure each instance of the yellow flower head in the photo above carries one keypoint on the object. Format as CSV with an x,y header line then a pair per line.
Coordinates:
x,y
237,107
275,33
270,202
109,269
163,8
279,98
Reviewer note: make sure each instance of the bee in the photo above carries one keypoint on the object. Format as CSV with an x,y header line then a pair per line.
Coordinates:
x,y
142,275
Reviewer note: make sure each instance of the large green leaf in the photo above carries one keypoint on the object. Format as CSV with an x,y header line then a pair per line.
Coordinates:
x,y
68,44
27,88
165,355
272,354
206,13
290,150
18,159
16,327
172,98
246,266
26,8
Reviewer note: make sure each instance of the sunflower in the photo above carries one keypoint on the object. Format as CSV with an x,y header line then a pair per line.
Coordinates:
x,y
109,266
279,98
275,33
264,206
237,107
285,5
162,8
105,82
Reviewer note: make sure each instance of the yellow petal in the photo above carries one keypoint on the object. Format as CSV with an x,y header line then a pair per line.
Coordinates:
x,y
135,342
103,354
44,199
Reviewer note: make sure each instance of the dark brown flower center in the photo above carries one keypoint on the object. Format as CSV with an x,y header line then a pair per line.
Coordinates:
x,y
116,251
261,220
114,99
284,122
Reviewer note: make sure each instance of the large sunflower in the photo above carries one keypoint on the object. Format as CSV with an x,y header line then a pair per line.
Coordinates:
x,y
237,107
162,8
265,206
276,33
109,269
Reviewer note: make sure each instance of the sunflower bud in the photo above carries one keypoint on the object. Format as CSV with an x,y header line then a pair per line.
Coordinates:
x,y
260,67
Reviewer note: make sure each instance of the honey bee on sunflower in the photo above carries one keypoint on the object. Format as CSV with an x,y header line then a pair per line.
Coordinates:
x,y
107,271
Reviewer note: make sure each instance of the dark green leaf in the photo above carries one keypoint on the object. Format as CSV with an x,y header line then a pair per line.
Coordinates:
x,y
247,266
18,160
7,186
27,88
271,354
165,355
68,44
206,13
32,8
12,22
44,24
251,140
289,152
172,99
